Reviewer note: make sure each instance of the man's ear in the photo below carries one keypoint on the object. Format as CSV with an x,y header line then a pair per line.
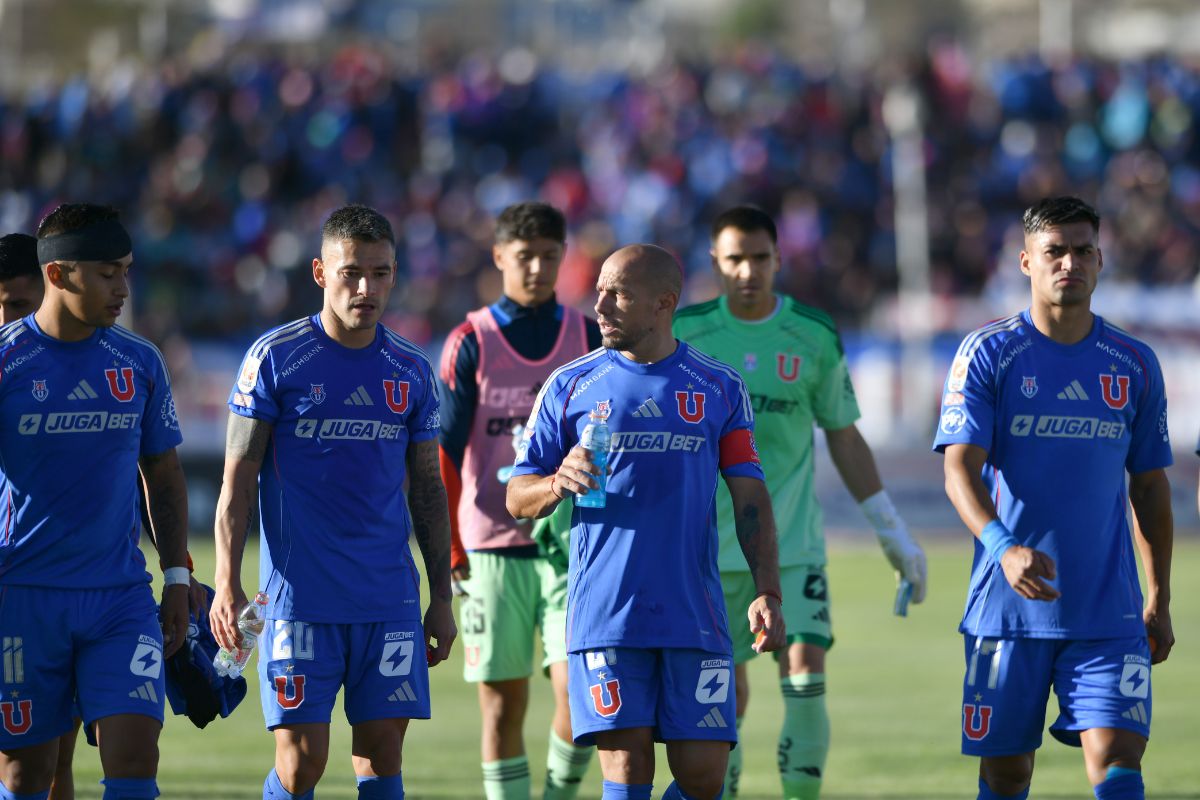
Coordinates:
x,y
56,274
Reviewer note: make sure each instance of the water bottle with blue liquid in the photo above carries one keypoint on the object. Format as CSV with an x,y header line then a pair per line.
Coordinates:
x,y
597,437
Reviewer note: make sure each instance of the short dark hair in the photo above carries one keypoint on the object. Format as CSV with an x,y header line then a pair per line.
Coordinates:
x,y
746,219
1052,212
357,223
73,216
529,221
18,256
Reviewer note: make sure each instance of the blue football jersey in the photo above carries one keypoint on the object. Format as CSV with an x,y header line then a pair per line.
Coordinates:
x,y
334,519
74,419
643,570
1062,424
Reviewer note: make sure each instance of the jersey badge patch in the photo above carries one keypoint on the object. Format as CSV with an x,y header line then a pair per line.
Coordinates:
x,y
750,362
316,393
40,392
120,383
691,406
1115,390
1029,385
958,374
953,420
606,697
18,716
787,367
977,721
396,394
289,691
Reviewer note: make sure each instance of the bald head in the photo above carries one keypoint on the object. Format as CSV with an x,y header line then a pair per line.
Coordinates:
x,y
650,265
637,292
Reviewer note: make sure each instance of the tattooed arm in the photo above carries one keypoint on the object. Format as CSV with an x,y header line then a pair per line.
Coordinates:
x,y
431,528
245,447
166,495
755,524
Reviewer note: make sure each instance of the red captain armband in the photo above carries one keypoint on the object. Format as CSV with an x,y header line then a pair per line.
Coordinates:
x,y
737,447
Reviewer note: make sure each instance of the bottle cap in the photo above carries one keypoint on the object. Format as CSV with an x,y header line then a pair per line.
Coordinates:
x,y
262,598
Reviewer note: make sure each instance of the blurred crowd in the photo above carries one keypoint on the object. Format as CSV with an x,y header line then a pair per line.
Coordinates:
x,y
225,173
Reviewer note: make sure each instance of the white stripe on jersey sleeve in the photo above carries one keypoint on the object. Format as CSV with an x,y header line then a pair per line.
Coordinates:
x,y
731,373
408,347
975,339
583,360
133,337
279,335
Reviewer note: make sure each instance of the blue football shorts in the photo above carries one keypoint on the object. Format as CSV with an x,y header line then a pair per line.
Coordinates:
x,y
682,694
1100,683
383,666
101,648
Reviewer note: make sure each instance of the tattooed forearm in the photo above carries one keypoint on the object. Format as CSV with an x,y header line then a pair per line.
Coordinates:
x,y
166,496
246,438
748,527
237,507
430,516
755,524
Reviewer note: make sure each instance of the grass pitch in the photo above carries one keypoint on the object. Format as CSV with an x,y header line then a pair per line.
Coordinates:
x,y
894,697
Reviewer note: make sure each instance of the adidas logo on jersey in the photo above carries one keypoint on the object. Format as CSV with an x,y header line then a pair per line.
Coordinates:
x,y
1074,391
145,692
403,695
648,409
359,397
82,391
713,719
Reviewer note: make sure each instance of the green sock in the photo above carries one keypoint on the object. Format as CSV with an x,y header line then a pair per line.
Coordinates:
x,y
566,765
804,740
506,779
733,770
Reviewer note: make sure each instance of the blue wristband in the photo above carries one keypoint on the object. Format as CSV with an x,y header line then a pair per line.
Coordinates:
x,y
996,539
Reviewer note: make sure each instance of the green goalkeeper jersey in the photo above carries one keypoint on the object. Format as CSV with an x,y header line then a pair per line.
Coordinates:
x,y
794,367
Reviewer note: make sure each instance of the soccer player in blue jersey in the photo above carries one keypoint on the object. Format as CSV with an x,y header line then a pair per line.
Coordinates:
x,y
81,397
650,656
1043,415
331,415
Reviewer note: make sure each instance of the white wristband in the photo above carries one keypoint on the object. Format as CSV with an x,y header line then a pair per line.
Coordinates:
x,y
881,513
174,576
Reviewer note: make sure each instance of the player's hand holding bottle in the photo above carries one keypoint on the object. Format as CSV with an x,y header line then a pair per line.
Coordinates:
x,y
766,623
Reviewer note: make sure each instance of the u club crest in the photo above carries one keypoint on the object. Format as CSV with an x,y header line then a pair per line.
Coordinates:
x,y
1029,385
317,393
40,392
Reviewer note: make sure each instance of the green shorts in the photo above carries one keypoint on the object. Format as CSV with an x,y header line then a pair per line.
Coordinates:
x,y
805,608
509,599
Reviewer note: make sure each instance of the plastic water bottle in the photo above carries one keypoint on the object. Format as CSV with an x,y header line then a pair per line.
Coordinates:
x,y
251,620
597,438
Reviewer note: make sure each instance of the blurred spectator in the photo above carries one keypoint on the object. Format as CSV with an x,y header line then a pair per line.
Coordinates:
x,y
223,171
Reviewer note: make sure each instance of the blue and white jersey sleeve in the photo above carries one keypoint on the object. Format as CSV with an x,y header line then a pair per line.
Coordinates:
x,y
160,423
253,394
544,447
968,414
425,422
1150,445
738,451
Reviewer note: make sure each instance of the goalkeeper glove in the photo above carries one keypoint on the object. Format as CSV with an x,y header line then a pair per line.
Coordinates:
x,y
902,551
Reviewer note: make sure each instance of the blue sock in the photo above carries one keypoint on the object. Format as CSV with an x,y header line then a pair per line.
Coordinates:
x,y
627,791
273,790
5,794
130,788
673,792
385,787
987,794
1121,783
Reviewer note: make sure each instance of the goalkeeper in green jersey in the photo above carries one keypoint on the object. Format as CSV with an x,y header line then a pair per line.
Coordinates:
x,y
791,359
